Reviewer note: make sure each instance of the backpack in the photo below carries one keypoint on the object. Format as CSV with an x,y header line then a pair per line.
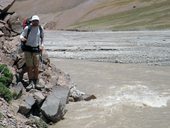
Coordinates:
x,y
29,48
26,22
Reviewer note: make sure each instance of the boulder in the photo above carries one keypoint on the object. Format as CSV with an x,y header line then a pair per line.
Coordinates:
x,y
39,97
15,23
5,6
77,95
26,105
53,107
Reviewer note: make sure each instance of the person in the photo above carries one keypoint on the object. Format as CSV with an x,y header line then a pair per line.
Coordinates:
x,y
32,39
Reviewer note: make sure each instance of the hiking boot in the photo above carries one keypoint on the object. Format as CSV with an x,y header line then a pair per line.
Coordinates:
x,y
19,77
30,86
37,85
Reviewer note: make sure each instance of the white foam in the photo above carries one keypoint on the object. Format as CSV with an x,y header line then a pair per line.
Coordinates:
x,y
138,95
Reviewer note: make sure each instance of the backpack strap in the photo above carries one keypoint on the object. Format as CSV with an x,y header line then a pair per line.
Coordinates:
x,y
41,31
29,30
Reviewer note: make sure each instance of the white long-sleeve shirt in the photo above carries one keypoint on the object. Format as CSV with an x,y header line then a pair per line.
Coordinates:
x,y
33,38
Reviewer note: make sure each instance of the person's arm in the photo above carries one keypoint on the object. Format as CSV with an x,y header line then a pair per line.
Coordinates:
x,y
42,36
42,39
24,34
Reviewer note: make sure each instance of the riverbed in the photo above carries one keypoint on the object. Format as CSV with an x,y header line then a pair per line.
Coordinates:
x,y
128,72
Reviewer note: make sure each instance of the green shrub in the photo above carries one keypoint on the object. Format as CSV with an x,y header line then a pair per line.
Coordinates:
x,y
5,75
1,126
5,92
15,95
40,124
1,116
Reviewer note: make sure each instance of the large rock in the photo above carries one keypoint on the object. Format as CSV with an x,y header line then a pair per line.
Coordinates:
x,y
5,5
76,95
26,105
53,107
15,23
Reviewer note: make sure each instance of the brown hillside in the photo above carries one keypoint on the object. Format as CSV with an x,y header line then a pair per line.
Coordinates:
x,y
65,13
61,14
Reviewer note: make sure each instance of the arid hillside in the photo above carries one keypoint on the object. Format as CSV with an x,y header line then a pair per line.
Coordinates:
x,y
98,14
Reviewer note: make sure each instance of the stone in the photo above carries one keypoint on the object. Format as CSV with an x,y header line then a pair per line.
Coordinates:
x,y
2,22
17,90
1,34
9,115
76,94
5,5
54,80
19,61
15,23
49,86
53,107
6,30
64,80
41,82
89,97
15,106
45,58
26,105
71,99
39,97
7,18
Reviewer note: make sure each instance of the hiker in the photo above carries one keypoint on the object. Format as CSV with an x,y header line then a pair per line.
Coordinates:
x,y
32,45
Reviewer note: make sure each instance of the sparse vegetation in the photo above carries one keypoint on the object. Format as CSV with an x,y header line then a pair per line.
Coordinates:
x,y
5,92
1,115
1,126
41,124
38,122
155,15
5,75
5,79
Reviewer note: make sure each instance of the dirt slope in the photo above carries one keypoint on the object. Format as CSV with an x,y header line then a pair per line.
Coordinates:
x,y
98,14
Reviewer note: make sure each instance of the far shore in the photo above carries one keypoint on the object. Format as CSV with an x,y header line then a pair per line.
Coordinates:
x,y
128,47
86,30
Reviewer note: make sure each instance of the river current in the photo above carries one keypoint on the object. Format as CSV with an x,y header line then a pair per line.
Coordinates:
x,y
129,95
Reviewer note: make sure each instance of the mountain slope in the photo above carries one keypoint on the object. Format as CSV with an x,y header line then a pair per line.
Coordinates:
x,y
98,14
150,16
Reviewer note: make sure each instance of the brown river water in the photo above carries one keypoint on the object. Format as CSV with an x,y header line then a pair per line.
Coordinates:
x,y
129,95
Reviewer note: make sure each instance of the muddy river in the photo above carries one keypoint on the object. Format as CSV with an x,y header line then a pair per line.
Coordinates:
x,y
128,72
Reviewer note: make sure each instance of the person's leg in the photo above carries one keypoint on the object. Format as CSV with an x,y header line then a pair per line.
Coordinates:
x,y
36,60
30,68
36,65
